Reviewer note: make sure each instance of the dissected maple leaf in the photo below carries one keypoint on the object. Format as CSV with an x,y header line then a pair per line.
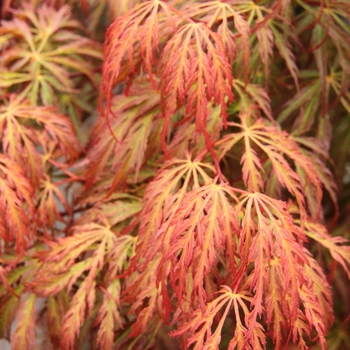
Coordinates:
x,y
163,194
47,203
321,293
185,136
217,13
132,127
276,305
109,316
191,61
331,19
200,326
118,208
137,31
258,19
62,271
318,155
146,297
195,72
203,225
18,311
338,246
162,198
26,131
45,51
285,49
275,144
253,94
65,251
10,292
16,205
56,307
269,236
23,337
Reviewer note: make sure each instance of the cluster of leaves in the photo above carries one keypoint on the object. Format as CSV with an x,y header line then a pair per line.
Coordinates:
x,y
206,207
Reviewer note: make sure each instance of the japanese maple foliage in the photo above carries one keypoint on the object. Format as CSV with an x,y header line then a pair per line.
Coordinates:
x,y
179,180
